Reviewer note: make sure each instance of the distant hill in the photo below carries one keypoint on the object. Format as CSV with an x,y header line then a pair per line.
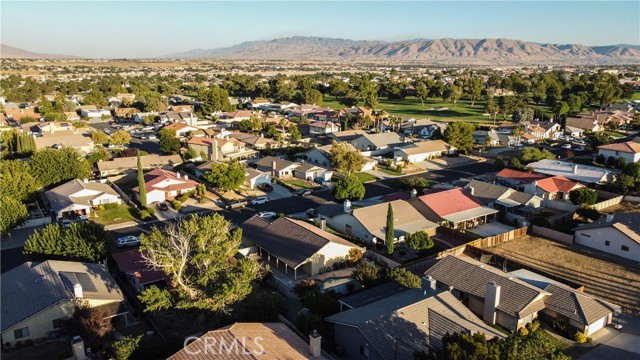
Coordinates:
x,y
10,52
469,51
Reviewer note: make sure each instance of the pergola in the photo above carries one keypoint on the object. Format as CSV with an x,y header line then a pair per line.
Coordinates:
x,y
471,214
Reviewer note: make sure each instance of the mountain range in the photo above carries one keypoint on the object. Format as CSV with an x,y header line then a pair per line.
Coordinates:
x,y
10,52
436,51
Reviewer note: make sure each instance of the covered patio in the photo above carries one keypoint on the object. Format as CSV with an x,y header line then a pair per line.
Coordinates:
x,y
471,218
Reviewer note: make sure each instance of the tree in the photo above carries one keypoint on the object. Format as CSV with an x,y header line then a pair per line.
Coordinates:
x,y
201,192
492,108
12,213
191,153
390,232
422,93
583,196
45,106
514,163
99,155
99,137
92,324
367,274
354,255
522,114
419,241
125,347
405,278
83,241
473,88
214,99
169,143
598,139
560,108
51,166
499,163
530,154
344,160
460,135
623,184
294,132
349,187
451,93
95,97
225,176
149,119
264,307
271,132
507,104
141,184
311,96
198,254
245,126
16,180
120,137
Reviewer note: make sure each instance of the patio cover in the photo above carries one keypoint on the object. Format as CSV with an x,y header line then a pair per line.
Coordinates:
x,y
470,214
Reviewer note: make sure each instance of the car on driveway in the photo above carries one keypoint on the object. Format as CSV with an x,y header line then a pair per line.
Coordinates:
x,y
260,200
233,204
127,241
303,192
265,187
163,206
267,214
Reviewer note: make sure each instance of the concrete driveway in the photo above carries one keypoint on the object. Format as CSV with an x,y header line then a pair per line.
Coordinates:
x,y
623,344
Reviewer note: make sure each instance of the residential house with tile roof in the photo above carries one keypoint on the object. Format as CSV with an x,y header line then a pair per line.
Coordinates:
x,y
542,129
502,198
19,114
577,126
404,323
317,128
380,143
368,223
617,234
59,139
253,178
122,165
300,246
279,168
517,179
254,141
456,207
311,172
629,151
347,135
181,129
162,185
423,150
553,188
125,112
321,156
235,117
221,149
583,312
252,341
488,292
78,197
423,127
139,274
38,297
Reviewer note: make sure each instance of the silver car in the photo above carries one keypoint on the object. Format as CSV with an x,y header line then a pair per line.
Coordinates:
x,y
127,241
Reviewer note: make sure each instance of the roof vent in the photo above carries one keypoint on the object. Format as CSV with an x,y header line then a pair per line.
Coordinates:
x,y
39,279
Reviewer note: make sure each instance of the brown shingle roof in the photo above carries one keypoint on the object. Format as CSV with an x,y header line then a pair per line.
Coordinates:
x,y
628,147
406,218
577,306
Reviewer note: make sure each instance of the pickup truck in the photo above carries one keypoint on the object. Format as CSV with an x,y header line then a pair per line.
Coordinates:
x,y
234,204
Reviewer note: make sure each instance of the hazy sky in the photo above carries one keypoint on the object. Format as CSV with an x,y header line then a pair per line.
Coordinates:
x,y
112,29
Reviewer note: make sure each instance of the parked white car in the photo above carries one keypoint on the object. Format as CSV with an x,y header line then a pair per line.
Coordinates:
x,y
260,200
127,241
566,146
65,223
267,214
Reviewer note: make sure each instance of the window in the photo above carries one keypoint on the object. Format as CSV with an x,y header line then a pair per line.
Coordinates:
x,y
624,248
347,228
59,323
20,333
607,243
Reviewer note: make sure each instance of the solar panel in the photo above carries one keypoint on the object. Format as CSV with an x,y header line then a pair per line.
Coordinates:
x,y
83,279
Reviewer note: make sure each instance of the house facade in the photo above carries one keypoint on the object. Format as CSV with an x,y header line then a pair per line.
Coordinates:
x,y
617,234
629,151
78,197
423,150
162,185
279,168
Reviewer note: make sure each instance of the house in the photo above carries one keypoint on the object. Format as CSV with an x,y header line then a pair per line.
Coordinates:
x,y
358,112
38,128
39,297
139,274
580,125
78,197
517,179
584,312
577,172
94,113
71,116
347,135
321,156
317,128
221,149
369,223
553,188
181,108
629,151
541,129
141,116
162,185
423,150
488,292
235,117
253,178
456,207
311,172
296,243
179,117
125,113
484,137
181,129
502,198
617,234
264,341
254,142
279,168
121,165
404,323
81,141
257,103
423,128
19,114
379,144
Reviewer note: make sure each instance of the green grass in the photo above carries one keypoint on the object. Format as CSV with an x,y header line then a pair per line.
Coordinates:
x,y
299,183
635,96
119,214
615,134
389,171
364,177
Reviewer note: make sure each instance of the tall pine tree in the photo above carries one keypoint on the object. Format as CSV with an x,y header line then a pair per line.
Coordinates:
x,y
141,186
390,231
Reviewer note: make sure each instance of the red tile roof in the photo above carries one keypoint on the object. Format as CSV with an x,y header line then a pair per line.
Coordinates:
x,y
157,176
558,183
451,201
628,147
522,176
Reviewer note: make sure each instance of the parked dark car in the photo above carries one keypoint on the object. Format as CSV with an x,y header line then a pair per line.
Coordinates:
x,y
163,206
265,187
234,204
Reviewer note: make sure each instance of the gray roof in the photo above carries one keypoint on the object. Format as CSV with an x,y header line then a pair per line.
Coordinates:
x,y
280,163
291,241
151,161
517,298
628,224
369,296
487,192
330,209
413,319
407,220
384,139
33,287
62,196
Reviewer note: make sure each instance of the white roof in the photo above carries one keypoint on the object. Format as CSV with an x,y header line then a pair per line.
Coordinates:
x,y
575,172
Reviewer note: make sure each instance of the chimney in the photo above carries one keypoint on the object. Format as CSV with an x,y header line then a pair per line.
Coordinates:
x,y
347,206
186,177
491,301
414,193
77,346
575,168
609,218
429,281
77,291
178,175
323,223
215,150
315,342
471,190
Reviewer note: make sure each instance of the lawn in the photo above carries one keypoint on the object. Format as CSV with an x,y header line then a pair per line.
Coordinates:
x,y
615,134
299,183
119,214
364,177
389,171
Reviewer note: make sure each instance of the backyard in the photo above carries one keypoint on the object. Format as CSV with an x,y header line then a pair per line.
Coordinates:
x,y
603,276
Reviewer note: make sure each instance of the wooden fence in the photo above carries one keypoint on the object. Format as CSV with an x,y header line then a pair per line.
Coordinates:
x,y
486,242
551,234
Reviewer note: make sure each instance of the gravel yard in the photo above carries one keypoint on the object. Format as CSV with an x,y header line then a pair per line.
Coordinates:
x,y
611,278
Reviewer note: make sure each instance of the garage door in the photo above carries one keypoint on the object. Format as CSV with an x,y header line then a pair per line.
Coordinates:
x,y
597,326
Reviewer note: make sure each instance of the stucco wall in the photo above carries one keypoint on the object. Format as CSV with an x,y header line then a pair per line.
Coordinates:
x,y
595,238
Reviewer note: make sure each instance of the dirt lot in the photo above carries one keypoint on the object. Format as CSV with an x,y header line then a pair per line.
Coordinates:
x,y
601,275
623,208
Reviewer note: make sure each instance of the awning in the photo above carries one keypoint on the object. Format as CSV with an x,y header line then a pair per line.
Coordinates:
x,y
470,214
508,203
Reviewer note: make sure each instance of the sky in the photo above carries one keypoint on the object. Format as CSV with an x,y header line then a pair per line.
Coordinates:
x,y
145,29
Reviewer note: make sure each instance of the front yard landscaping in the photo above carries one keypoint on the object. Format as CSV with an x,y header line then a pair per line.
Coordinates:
x,y
364,177
115,214
300,184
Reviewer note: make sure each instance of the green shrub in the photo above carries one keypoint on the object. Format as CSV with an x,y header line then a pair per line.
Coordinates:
x,y
100,208
589,213
580,337
110,206
176,205
144,215
533,326
150,210
182,197
589,339
523,331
